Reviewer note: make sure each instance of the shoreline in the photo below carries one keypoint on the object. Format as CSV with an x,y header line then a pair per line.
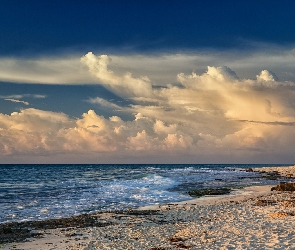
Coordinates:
x,y
230,221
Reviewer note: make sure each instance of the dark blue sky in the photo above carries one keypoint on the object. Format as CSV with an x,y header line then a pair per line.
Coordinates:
x,y
35,28
38,27
68,99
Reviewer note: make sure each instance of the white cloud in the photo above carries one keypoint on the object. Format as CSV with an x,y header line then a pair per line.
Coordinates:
x,y
23,96
125,85
104,103
221,73
265,75
14,100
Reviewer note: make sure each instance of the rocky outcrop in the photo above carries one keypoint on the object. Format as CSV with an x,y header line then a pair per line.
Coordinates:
x,y
284,187
209,191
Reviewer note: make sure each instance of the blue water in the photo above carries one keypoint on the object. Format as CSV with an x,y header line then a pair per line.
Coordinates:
x,y
35,192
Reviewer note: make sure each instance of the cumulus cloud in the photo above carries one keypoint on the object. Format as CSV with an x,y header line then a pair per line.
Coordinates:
x,y
33,131
125,85
265,75
213,113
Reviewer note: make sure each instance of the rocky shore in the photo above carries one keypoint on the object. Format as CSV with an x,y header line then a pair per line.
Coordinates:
x,y
252,218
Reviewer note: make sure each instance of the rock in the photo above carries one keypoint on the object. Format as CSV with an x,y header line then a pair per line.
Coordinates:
x,y
175,239
289,203
183,246
141,212
273,173
264,202
209,191
284,187
281,214
249,170
273,178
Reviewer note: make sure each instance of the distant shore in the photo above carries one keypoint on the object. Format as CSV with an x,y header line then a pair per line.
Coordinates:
x,y
249,218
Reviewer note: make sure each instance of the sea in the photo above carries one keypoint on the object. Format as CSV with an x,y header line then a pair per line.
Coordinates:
x,y
39,192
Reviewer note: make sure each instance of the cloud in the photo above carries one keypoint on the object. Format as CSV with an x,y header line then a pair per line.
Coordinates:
x,y
104,103
160,68
23,96
219,95
14,100
221,73
265,75
272,123
47,70
125,85
203,116
33,131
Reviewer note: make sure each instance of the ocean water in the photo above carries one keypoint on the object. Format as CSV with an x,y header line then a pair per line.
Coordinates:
x,y
37,192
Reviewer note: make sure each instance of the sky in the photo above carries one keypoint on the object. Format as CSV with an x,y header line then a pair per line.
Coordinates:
x,y
147,81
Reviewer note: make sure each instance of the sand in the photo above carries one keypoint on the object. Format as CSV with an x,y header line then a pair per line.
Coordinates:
x,y
252,218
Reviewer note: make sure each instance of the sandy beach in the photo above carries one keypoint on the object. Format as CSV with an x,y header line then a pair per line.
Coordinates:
x,y
251,218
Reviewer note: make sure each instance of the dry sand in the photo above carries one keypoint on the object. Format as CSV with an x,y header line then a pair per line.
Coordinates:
x,y
253,218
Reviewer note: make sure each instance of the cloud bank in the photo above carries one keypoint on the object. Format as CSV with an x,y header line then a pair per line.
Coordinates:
x,y
202,117
160,68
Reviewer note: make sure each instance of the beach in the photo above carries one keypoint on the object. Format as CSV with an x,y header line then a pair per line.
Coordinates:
x,y
250,218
